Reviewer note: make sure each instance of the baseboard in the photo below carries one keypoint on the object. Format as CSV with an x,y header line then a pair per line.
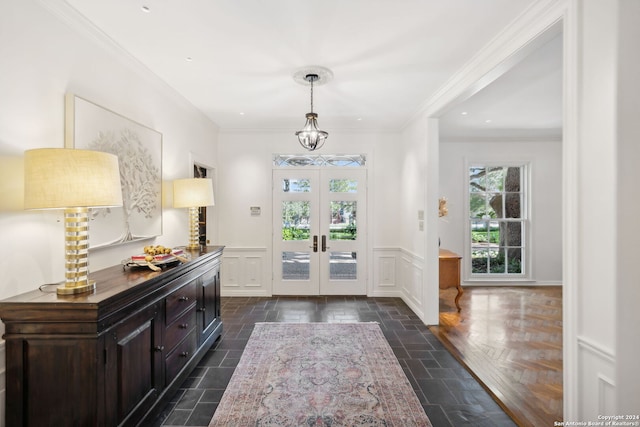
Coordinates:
x,y
244,293
514,283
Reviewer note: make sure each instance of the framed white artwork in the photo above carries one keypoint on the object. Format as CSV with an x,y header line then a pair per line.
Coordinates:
x,y
139,150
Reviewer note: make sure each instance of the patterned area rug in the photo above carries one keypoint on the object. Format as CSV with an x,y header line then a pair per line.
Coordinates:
x,y
319,374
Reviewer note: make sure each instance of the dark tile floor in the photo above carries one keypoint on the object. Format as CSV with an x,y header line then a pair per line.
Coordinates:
x,y
449,394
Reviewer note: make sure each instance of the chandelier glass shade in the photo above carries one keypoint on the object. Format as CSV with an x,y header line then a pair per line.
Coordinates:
x,y
310,137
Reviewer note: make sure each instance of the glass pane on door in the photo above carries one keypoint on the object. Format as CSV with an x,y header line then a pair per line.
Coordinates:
x,y
295,220
343,221
295,265
292,185
343,186
343,266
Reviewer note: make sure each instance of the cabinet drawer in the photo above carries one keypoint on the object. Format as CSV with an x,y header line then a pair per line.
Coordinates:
x,y
179,301
179,329
181,355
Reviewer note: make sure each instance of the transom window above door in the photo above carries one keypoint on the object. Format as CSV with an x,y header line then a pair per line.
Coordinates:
x,y
302,160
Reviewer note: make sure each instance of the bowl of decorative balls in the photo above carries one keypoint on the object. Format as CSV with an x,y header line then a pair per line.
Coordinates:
x,y
155,257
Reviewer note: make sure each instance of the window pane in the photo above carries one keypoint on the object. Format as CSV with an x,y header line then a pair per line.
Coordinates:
x,y
496,261
480,236
343,221
295,265
512,205
342,266
343,186
512,179
495,179
295,220
494,232
479,260
477,205
296,185
514,260
476,179
513,234
494,205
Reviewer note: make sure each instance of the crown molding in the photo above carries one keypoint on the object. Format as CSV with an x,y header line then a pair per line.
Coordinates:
x,y
532,28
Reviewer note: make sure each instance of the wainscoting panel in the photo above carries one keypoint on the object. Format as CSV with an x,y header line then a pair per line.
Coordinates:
x,y
243,272
413,281
398,273
596,372
385,280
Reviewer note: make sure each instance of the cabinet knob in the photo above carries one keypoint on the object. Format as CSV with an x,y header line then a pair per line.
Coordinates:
x,y
183,299
201,309
159,348
184,326
184,354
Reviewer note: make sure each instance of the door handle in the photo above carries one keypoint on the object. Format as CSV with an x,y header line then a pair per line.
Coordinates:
x,y
324,243
315,244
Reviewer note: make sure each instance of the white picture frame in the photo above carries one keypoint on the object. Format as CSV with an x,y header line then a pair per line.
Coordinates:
x,y
139,150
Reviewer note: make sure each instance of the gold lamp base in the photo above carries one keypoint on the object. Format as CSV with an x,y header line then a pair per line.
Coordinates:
x,y
194,240
71,288
76,250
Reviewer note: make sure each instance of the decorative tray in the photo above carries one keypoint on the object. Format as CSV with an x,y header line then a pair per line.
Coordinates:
x,y
156,257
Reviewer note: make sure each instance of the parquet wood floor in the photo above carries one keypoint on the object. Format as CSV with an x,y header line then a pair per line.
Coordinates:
x,y
511,339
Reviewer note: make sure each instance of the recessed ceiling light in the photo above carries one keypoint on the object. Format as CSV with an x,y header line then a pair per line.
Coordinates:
x,y
359,119
146,9
464,113
242,113
188,59
488,121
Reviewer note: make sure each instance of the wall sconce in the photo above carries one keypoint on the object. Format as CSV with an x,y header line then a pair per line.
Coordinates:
x,y
73,180
443,210
193,193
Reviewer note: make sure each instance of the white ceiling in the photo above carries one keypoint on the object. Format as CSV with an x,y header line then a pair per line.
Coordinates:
x,y
234,59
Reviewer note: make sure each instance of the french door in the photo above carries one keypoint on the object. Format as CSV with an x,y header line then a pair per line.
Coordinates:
x,y
319,231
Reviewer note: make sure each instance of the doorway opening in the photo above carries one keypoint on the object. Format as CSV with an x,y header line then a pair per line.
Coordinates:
x,y
204,214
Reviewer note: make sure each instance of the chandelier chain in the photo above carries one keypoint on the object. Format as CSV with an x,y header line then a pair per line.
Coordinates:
x,y
311,80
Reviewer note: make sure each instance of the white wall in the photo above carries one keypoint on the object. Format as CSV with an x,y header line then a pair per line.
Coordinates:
x,y
45,56
606,333
45,53
244,178
628,203
545,163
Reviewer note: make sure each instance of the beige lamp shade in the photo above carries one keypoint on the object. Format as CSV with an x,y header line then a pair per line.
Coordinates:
x,y
73,180
192,192
56,178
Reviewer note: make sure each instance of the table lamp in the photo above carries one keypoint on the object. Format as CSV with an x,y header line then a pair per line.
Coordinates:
x,y
73,180
193,193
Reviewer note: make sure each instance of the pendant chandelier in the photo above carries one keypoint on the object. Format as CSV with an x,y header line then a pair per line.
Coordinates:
x,y
310,137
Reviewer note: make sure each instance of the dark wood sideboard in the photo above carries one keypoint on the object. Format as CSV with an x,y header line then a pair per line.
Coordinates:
x,y
113,357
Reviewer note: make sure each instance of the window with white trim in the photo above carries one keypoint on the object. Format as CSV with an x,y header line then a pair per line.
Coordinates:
x,y
497,220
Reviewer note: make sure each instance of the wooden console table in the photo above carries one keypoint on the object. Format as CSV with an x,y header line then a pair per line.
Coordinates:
x,y
115,356
449,263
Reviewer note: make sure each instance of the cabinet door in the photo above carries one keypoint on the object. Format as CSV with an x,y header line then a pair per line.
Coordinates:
x,y
209,304
58,374
135,368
